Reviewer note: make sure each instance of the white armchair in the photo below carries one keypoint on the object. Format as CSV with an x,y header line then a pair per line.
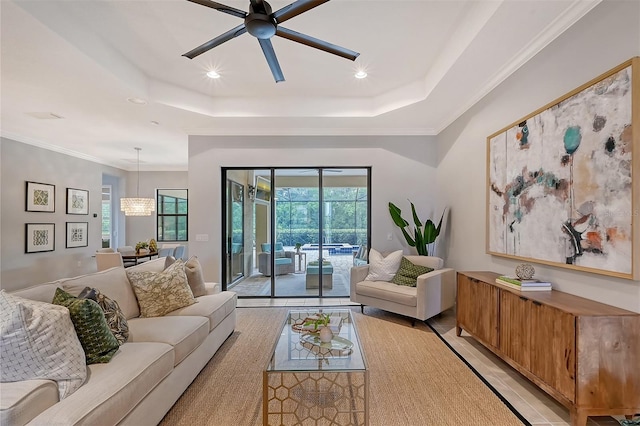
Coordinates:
x,y
435,291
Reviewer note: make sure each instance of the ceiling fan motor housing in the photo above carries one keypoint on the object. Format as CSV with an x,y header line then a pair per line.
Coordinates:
x,y
259,23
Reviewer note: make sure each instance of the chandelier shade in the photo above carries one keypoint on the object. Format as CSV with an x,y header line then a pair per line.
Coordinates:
x,y
137,206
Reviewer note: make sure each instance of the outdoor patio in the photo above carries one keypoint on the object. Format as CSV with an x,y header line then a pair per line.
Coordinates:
x,y
291,285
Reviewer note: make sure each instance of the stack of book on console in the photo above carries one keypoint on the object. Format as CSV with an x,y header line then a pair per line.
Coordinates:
x,y
524,285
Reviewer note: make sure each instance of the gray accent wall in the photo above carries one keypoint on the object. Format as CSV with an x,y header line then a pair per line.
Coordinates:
x,y
603,39
21,162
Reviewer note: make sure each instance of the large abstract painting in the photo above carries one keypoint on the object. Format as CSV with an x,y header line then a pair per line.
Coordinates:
x,y
561,187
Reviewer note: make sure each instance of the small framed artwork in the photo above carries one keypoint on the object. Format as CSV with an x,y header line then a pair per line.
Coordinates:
x,y
77,201
41,197
77,234
40,237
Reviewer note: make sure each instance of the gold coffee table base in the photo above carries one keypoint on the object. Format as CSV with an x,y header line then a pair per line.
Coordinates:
x,y
336,398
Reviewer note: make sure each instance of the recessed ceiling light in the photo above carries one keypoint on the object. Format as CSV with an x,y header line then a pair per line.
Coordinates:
x,y
360,74
137,101
213,74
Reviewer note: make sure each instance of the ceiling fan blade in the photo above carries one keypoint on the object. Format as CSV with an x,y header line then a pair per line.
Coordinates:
x,y
295,9
270,54
317,43
221,8
232,33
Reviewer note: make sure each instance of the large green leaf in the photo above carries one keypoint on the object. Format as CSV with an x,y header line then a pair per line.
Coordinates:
x,y
415,216
396,216
422,238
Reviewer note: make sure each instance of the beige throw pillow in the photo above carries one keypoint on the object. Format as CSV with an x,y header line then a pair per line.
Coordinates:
x,y
195,278
159,293
38,341
383,268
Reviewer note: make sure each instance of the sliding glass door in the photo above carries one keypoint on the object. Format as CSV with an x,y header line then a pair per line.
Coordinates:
x,y
302,227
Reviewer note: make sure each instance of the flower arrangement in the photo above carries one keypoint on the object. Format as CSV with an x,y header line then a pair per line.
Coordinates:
x,y
319,321
141,245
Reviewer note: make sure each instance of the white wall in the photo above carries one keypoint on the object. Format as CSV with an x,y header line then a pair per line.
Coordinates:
x,y
20,163
606,37
404,170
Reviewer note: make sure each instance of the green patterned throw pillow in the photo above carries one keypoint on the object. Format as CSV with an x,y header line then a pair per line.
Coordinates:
x,y
116,319
159,293
99,344
409,272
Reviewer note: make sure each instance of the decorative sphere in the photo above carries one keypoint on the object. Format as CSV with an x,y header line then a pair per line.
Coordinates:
x,y
525,271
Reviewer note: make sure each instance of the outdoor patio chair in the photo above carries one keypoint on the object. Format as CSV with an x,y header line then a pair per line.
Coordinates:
x,y
283,260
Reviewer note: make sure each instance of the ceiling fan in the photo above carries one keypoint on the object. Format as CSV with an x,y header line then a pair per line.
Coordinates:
x,y
263,24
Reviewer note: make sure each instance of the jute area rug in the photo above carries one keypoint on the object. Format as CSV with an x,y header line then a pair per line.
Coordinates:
x,y
415,379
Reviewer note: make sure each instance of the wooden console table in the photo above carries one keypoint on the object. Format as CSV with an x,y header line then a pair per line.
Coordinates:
x,y
583,353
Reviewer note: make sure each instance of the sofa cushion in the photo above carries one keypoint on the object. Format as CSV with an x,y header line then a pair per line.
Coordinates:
x,y
195,276
21,401
40,293
159,293
116,320
98,342
409,272
185,334
38,341
113,390
401,294
112,282
215,307
155,265
383,268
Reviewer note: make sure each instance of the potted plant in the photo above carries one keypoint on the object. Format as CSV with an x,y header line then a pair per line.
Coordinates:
x,y
424,238
142,245
298,246
320,323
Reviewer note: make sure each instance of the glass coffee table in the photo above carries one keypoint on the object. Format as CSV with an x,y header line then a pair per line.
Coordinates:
x,y
310,382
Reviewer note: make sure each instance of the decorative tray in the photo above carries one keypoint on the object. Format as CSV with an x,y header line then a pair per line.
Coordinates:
x,y
337,343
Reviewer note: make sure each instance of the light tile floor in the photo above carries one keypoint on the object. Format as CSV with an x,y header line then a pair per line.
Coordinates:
x,y
534,405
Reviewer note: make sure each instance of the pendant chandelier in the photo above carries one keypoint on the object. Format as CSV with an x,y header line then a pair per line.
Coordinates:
x,y
138,206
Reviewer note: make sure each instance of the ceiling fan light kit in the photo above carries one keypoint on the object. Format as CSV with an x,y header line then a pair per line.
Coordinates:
x,y
262,23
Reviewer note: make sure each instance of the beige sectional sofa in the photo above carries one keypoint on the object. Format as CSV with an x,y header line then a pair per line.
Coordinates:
x,y
149,372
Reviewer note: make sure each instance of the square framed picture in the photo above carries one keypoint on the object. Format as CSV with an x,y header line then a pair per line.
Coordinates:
x,y
41,197
77,234
77,201
40,237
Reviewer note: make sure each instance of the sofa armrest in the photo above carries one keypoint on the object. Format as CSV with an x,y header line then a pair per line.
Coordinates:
x,y
211,288
436,292
290,254
357,274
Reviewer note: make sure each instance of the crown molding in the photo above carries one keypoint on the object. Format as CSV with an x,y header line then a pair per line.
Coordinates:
x,y
563,22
